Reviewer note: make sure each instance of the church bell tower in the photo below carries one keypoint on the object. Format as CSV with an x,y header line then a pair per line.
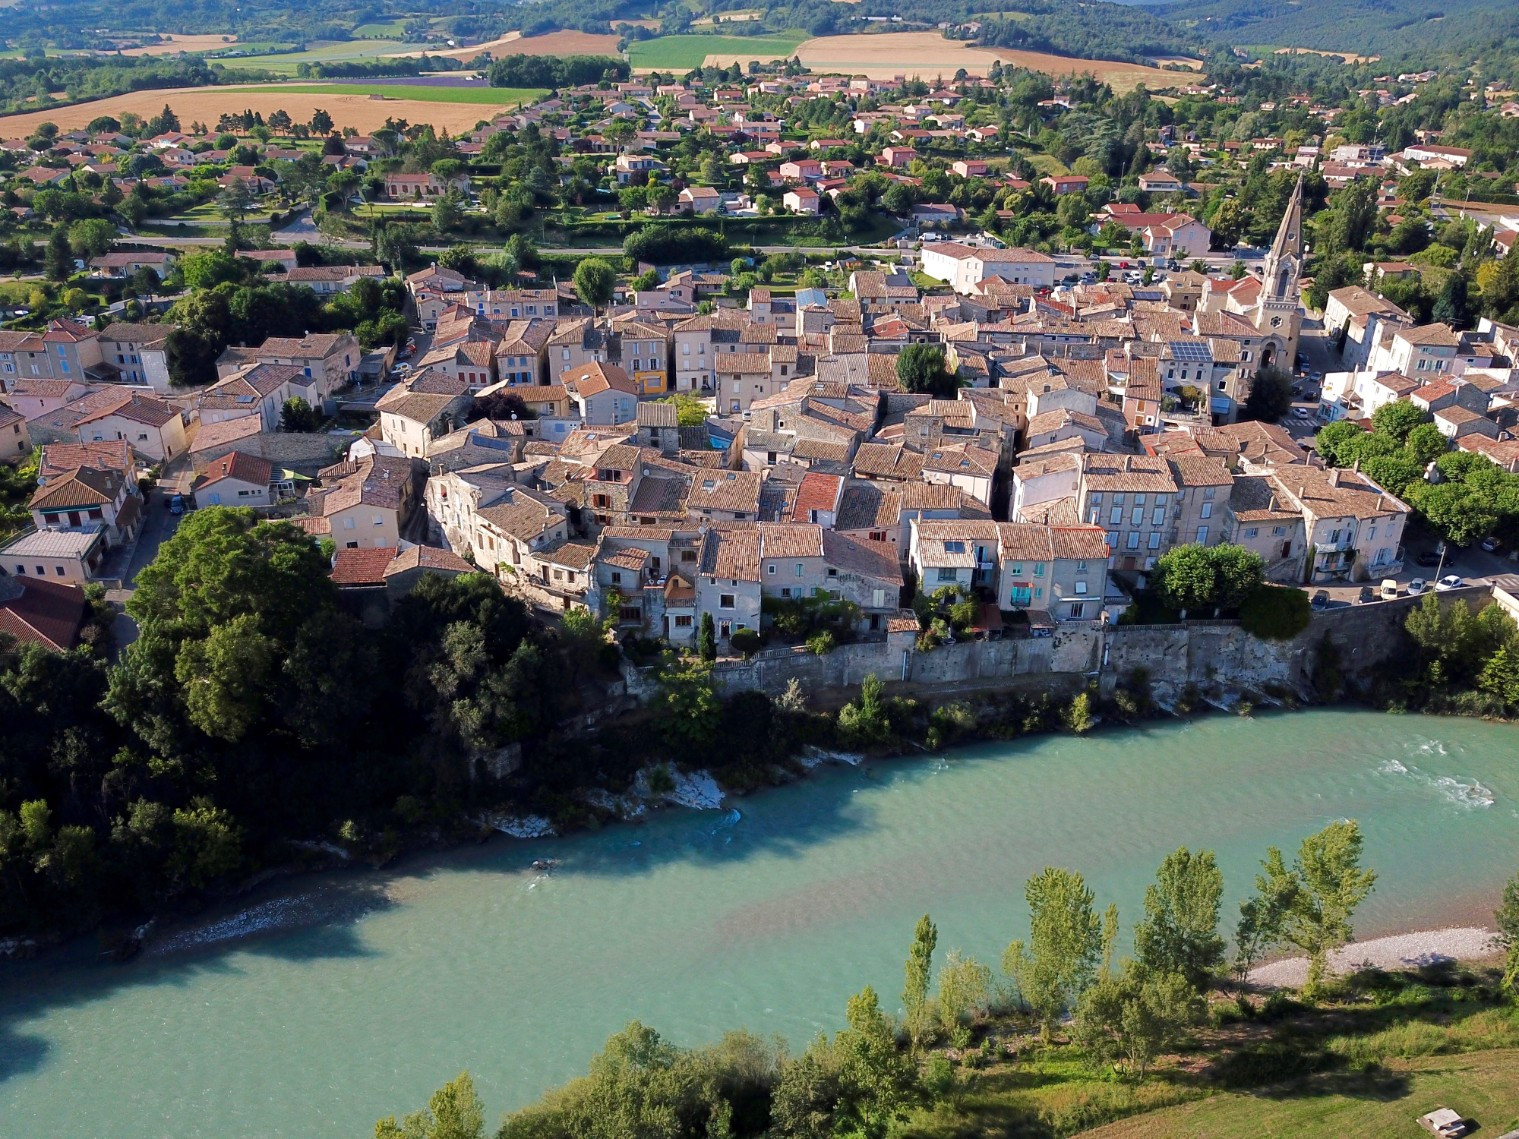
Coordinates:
x,y
1279,313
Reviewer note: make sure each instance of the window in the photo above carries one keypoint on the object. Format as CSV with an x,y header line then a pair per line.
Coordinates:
x,y
1118,499
1131,540
683,622
1115,516
1202,535
1078,609
1222,386
770,569
1158,516
1038,569
1154,539
379,520
725,601
1096,500
629,614
351,545
348,524
1081,565
20,569
1278,531
785,591
58,570
954,547
946,573
616,577
1207,510
798,569
1251,531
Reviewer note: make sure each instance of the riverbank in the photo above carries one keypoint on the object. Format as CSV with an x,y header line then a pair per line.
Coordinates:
x,y
1416,949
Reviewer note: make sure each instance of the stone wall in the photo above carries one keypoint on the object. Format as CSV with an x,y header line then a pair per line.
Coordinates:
x,y
1218,657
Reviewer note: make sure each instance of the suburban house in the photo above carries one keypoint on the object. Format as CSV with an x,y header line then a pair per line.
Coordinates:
x,y
236,479
153,428
36,611
139,353
88,495
423,187
411,417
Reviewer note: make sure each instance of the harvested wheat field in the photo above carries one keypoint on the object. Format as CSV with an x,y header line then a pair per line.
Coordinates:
x,y
1347,56
207,104
178,44
929,55
513,43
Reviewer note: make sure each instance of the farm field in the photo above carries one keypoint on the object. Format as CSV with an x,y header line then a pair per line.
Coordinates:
x,y
682,53
513,43
928,55
477,93
178,44
1347,56
325,52
207,104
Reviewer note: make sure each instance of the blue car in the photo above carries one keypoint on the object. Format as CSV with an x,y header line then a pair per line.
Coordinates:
x,y
177,504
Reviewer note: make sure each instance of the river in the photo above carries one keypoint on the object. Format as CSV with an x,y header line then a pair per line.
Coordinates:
x,y
351,996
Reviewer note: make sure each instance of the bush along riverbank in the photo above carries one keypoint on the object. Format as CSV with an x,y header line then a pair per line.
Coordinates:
x,y
1065,1036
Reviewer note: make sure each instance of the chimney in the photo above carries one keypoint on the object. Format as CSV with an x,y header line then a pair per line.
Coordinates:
x,y
1334,476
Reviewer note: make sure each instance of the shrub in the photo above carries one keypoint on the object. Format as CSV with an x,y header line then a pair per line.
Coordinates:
x,y
821,643
1275,612
746,642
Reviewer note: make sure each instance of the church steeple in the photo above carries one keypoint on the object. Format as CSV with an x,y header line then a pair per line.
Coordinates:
x,y
1285,261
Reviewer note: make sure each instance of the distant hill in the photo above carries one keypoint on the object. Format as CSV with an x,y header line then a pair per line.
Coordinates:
x,y
1393,28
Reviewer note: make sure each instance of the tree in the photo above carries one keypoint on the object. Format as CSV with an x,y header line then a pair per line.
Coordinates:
x,y
1179,932
919,969
447,212
1425,443
298,415
1193,576
1500,675
689,410
321,122
706,638
58,261
864,721
1065,938
595,281
965,986
880,1081
455,1111
921,369
1270,396
236,201
687,705
1184,578
1398,419
1135,1016
91,237
1325,884
1332,437
1507,920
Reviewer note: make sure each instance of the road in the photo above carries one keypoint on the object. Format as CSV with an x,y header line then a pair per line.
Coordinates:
x,y
158,525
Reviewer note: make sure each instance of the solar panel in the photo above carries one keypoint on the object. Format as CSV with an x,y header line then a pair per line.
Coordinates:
x,y
1187,352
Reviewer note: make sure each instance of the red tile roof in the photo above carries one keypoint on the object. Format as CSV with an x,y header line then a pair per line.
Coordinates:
x,y
362,567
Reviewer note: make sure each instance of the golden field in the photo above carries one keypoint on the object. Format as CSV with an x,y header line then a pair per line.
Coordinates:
x,y
513,43
207,104
929,55
178,44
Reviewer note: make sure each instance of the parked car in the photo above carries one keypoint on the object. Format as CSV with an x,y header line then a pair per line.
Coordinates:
x,y
1389,589
1315,376
1417,586
1490,544
1320,599
1367,594
1449,581
1428,558
177,504
1303,412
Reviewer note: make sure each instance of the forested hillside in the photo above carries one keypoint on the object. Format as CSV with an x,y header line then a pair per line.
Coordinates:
x,y
1392,28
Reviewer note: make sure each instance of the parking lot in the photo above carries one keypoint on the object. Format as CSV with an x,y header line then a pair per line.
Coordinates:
x,y
1474,567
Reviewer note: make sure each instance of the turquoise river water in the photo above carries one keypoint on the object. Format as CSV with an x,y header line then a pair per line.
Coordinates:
x,y
345,997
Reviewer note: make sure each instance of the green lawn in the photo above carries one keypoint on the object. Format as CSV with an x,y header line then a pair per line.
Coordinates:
x,y
683,53
1481,1085
493,96
389,29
